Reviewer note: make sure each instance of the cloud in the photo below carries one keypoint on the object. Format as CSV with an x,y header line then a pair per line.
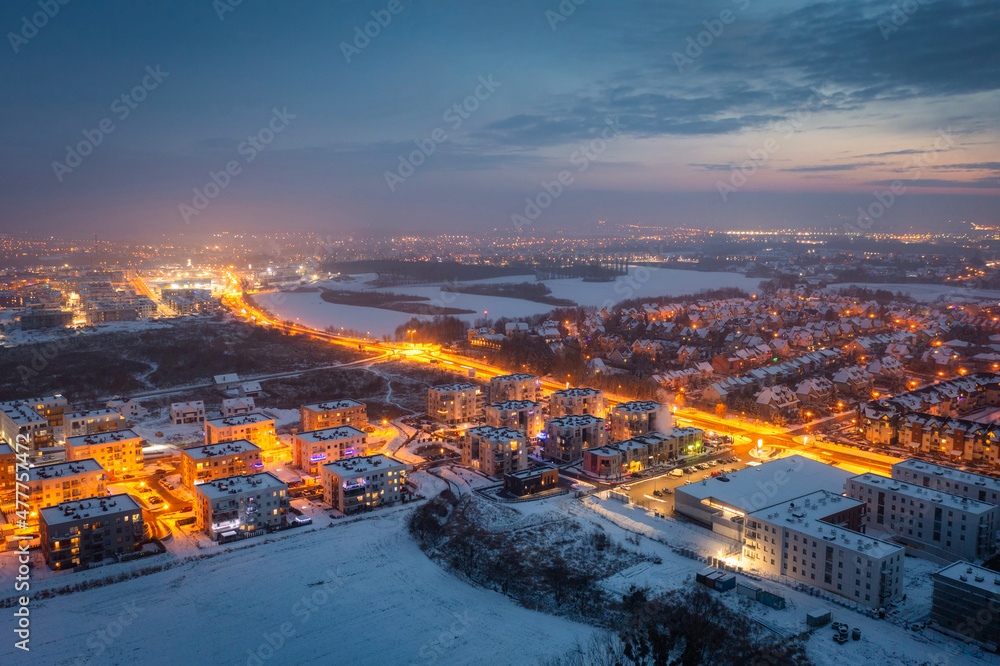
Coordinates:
x,y
982,183
835,167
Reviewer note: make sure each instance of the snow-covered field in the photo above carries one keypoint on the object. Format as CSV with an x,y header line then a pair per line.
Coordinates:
x,y
311,310
927,293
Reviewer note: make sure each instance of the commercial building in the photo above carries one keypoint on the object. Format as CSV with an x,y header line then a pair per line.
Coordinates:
x,y
532,480
455,403
519,386
240,505
333,414
52,484
254,427
495,451
93,421
639,417
90,530
118,452
723,505
365,482
640,452
813,539
187,412
948,527
523,415
965,601
566,437
577,401
948,480
318,447
214,461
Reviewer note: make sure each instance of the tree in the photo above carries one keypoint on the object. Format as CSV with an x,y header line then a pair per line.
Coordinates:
x,y
720,410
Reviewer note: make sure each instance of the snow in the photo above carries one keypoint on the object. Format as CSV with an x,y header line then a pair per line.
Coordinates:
x,y
927,293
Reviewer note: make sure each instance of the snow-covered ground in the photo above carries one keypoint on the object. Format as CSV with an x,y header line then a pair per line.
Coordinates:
x,y
927,293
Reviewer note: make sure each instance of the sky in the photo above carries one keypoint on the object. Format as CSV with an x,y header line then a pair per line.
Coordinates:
x,y
142,119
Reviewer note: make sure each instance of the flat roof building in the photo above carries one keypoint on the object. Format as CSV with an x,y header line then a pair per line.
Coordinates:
x,y
566,437
495,451
20,420
641,451
119,452
518,386
333,414
203,463
577,401
524,415
90,530
318,447
59,482
965,601
256,428
638,417
363,483
241,504
8,470
455,403
532,480
93,421
948,479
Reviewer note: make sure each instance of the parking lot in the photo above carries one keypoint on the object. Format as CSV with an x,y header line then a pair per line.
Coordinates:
x,y
657,492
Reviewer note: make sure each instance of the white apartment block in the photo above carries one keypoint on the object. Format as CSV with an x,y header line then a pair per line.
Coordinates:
x,y
213,461
49,485
237,407
578,401
318,447
566,437
946,526
495,450
92,421
455,403
119,452
524,415
240,505
187,412
948,480
365,482
803,540
519,386
639,417
255,427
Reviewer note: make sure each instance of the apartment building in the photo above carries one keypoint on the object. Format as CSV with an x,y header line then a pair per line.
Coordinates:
x,y
523,415
93,421
965,601
639,417
187,412
237,407
495,450
333,414
518,386
948,480
257,428
808,539
318,447
59,482
577,401
50,407
364,482
946,526
90,530
641,451
18,420
119,452
8,470
237,506
958,439
566,437
213,461
455,403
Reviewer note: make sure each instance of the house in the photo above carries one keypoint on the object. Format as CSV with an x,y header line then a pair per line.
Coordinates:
x,y
128,408
778,400
853,380
187,412
227,382
251,390
237,407
815,392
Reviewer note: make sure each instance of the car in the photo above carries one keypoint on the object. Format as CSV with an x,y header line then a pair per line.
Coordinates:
x,y
716,473
669,491
688,470
713,463
657,493
156,500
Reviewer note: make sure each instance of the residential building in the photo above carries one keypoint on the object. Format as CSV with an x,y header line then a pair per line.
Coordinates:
x,y
965,601
641,451
90,422
518,386
255,427
251,390
639,417
455,403
810,539
87,531
237,407
128,408
532,480
318,447
523,415
577,401
18,420
777,400
240,505
227,382
946,526
8,470
119,452
566,437
948,480
365,482
495,450
187,412
213,461
333,414
59,482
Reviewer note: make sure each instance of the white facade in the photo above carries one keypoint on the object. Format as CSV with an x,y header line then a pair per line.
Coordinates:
x,y
366,482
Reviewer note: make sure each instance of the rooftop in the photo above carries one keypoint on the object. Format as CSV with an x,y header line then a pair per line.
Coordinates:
x,y
21,414
93,507
639,406
458,386
955,475
496,434
516,377
102,438
330,434
576,392
64,469
927,494
331,405
88,413
531,472
240,484
364,465
575,421
513,405
221,449
247,419
969,574
6,450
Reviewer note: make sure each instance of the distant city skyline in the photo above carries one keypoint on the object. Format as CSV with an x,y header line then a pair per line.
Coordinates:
x,y
437,116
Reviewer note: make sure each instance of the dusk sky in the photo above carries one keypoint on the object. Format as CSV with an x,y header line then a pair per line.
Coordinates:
x,y
644,108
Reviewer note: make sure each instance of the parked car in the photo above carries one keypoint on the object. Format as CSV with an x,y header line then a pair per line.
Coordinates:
x,y
657,493
669,491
